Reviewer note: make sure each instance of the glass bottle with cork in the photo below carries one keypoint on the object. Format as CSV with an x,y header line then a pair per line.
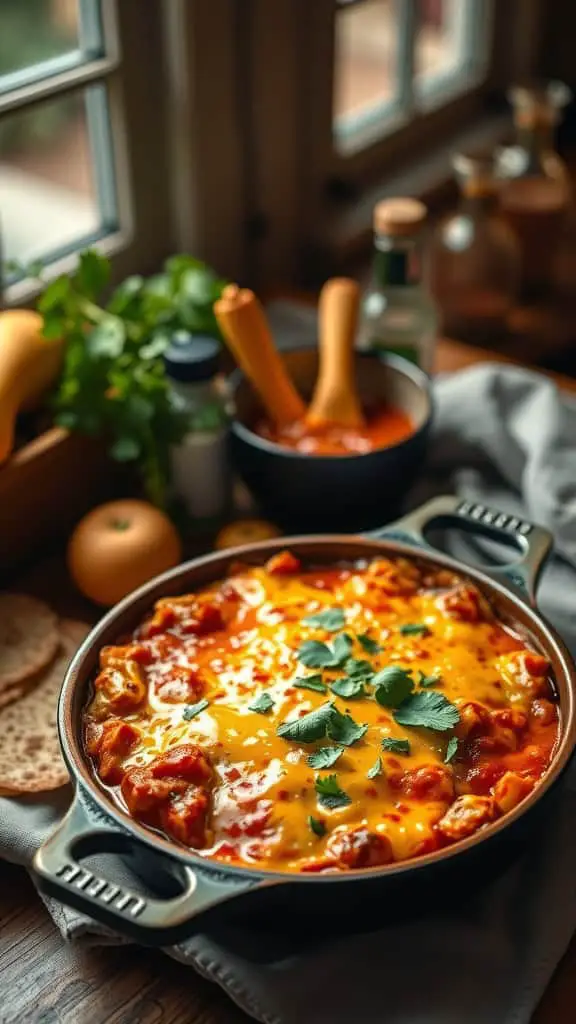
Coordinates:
x,y
536,194
475,257
398,313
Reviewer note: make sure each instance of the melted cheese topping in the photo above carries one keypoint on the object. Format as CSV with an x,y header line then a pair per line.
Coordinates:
x,y
264,808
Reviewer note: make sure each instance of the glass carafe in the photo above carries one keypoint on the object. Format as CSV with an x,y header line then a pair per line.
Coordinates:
x,y
536,193
474,257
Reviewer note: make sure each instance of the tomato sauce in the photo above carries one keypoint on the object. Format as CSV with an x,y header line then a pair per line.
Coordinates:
x,y
321,719
384,427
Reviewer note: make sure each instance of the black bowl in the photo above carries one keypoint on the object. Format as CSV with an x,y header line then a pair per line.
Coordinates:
x,y
316,493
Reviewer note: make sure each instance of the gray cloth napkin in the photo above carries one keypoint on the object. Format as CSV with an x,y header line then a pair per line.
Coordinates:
x,y
503,436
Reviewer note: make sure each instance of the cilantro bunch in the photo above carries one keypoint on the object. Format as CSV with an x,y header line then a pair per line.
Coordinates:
x,y
113,382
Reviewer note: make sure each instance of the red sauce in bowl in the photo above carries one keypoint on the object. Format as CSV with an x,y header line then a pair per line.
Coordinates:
x,y
385,426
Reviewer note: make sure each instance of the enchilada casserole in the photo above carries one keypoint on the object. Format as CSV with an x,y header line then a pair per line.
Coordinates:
x,y
306,719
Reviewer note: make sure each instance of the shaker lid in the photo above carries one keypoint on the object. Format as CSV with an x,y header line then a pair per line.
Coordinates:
x,y
191,358
399,217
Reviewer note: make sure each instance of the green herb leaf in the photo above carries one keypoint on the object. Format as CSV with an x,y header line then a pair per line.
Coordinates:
x,y
392,685
313,682
350,689
332,619
263,704
125,449
316,826
428,710
394,746
191,710
324,757
426,681
308,728
341,647
369,645
451,749
414,629
359,668
92,274
376,769
315,654
331,796
343,729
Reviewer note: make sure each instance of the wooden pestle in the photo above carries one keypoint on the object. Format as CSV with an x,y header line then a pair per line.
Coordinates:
x,y
335,398
243,324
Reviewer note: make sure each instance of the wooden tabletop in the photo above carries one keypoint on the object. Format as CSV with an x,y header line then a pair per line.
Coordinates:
x,y
43,981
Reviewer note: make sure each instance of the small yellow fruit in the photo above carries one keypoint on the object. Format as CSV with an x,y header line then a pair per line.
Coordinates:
x,y
245,531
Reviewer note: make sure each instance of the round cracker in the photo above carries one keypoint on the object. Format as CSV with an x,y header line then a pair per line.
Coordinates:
x,y
30,758
28,638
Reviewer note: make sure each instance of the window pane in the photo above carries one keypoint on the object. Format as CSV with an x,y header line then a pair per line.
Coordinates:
x,y
39,36
56,176
365,82
441,41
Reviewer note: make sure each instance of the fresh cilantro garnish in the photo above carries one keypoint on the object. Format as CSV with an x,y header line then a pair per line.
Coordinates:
x,y
344,730
428,710
359,668
414,629
332,619
308,728
311,683
348,687
396,746
191,710
451,749
324,757
375,770
331,796
427,681
392,685
262,704
316,826
315,654
369,645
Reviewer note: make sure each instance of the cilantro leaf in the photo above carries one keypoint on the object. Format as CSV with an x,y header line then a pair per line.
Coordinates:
x,y
308,728
315,654
343,729
324,757
414,629
427,710
316,826
311,683
331,796
394,746
262,704
348,687
191,710
332,619
427,681
342,646
392,685
359,668
451,749
376,769
369,645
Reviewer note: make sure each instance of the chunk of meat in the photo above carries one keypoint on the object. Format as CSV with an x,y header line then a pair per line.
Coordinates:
x,y
164,618
283,564
482,777
543,711
121,686
466,815
359,848
114,742
181,684
510,790
395,579
112,657
510,718
188,615
464,602
529,670
429,782
173,793
474,721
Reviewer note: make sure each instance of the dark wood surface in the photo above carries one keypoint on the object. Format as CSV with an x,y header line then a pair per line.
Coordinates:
x,y
44,981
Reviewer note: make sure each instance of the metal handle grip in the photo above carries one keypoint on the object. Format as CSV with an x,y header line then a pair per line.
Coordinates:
x,y
148,920
533,542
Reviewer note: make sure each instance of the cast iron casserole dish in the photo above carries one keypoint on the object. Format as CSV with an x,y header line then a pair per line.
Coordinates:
x,y
212,893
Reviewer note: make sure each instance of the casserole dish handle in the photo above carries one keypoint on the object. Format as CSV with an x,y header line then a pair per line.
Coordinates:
x,y
148,920
533,543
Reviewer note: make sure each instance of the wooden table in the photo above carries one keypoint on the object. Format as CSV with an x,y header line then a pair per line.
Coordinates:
x,y
43,981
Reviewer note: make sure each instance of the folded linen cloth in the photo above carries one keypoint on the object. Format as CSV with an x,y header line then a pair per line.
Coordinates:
x,y
505,437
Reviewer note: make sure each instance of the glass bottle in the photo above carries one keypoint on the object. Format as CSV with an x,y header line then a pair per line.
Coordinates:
x,y
536,195
474,256
398,314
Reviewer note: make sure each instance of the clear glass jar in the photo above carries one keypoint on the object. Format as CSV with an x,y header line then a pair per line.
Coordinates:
x,y
398,313
536,195
474,257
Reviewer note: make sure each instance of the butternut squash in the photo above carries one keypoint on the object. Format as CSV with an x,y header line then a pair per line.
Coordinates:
x,y
29,365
